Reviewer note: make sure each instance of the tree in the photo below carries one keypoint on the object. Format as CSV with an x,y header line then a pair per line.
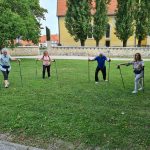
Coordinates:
x,y
125,20
20,18
11,25
142,20
48,34
78,19
100,20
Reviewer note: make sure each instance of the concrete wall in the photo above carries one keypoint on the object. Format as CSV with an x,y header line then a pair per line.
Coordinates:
x,y
25,51
93,51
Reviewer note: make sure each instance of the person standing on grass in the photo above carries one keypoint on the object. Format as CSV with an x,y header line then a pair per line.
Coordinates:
x,y
46,64
138,69
5,66
100,66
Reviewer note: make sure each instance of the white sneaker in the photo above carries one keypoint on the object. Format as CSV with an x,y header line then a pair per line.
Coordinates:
x,y
140,89
106,80
6,85
134,92
96,82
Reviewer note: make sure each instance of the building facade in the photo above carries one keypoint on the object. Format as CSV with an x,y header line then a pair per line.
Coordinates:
x,y
109,39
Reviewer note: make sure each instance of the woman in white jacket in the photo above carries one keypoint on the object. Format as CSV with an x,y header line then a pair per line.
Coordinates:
x,y
138,67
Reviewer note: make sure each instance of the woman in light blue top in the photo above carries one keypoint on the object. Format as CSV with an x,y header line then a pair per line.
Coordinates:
x,y
5,66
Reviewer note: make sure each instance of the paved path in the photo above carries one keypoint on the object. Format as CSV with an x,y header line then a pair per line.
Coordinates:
x,y
11,146
73,57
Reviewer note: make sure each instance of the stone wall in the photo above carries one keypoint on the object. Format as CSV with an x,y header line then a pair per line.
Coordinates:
x,y
93,51
25,51
83,51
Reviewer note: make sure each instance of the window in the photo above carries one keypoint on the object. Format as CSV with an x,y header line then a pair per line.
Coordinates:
x,y
107,43
108,31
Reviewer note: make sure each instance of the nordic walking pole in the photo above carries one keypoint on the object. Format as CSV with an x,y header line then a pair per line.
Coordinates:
x,y
143,78
20,73
121,77
56,70
109,65
88,69
108,70
1,85
36,69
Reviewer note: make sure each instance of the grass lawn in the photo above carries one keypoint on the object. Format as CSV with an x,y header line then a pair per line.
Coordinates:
x,y
74,109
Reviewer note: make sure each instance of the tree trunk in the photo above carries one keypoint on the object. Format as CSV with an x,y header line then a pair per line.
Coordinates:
x,y
12,42
82,42
125,43
97,43
139,41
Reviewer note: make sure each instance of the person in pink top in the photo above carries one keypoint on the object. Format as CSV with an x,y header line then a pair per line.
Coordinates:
x,y
46,64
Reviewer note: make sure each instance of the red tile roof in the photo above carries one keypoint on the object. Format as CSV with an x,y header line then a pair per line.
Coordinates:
x,y
62,8
42,39
54,37
112,7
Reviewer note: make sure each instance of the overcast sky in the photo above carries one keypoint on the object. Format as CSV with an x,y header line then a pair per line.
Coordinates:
x,y
51,18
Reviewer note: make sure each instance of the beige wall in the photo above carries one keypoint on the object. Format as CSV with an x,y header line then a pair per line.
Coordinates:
x,y
67,40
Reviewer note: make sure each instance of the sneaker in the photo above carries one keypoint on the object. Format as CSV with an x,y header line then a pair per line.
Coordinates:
x,y
134,92
140,89
6,85
106,80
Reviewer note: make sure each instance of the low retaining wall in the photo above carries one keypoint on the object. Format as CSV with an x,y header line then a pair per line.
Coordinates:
x,y
25,51
83,51
93,51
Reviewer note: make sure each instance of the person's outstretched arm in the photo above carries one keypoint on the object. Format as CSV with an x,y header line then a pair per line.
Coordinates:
x,y
14,59
124,64
92,59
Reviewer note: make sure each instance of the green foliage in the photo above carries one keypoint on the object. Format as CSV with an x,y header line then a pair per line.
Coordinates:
x,y
100,20
12,26
48,34
20,18
125,20
142,19
103,115
78,19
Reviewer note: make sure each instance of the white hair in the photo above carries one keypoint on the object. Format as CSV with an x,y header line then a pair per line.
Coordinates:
x,y
101,53
4,50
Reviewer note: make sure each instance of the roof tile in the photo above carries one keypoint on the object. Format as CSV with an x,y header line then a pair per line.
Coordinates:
x,y
62,8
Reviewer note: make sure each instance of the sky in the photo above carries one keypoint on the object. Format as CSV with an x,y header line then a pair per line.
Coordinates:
x,y
51,18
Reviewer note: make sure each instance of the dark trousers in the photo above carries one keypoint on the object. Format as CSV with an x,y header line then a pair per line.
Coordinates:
x,y
44,70
5,74
103,70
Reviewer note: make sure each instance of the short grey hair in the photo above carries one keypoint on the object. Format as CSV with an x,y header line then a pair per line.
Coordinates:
x,y
4,50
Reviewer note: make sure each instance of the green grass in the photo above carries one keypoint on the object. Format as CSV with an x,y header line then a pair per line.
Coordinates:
x,y
74,109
